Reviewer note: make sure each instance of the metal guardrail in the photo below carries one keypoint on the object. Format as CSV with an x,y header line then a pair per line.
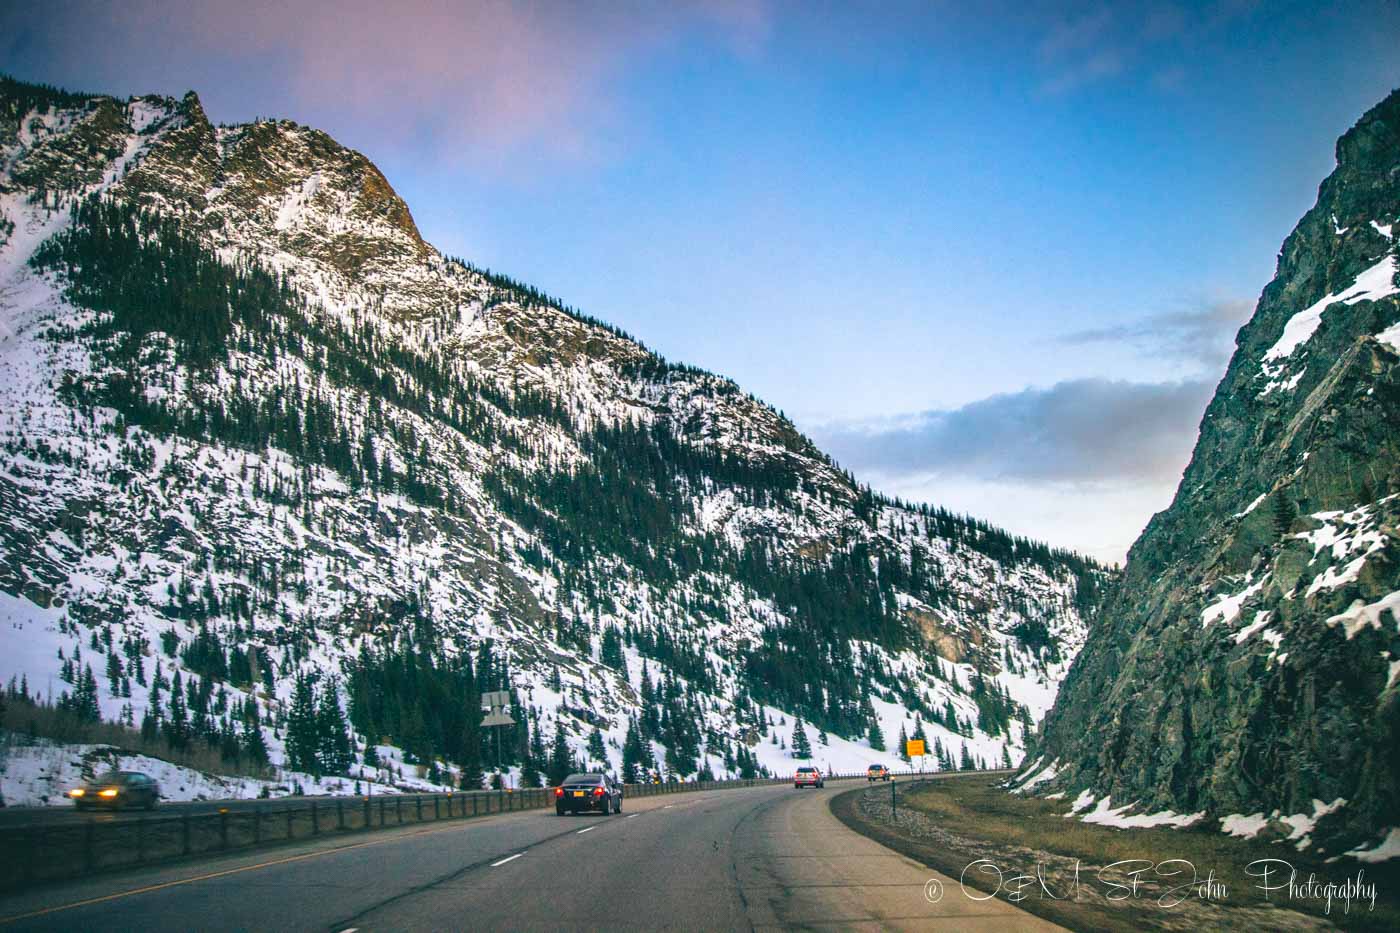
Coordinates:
x,y
35,854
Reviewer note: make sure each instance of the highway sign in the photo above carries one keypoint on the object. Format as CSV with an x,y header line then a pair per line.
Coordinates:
x,y
496,703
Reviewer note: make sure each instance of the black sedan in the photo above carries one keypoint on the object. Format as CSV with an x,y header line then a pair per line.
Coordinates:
x,y
117,790
582,793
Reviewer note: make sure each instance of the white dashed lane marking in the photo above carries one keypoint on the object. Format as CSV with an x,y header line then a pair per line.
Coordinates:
x,y
509,858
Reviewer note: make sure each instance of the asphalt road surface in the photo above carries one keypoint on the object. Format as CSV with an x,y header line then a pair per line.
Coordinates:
x,y
760,858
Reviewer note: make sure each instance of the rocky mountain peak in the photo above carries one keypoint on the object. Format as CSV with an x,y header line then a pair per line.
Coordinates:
x,y
255,416
1246,664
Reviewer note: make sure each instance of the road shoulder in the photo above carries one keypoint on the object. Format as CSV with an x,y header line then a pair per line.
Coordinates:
x,y
1074,898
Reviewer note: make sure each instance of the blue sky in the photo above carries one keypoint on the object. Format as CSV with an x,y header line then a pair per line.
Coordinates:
x,y
912,227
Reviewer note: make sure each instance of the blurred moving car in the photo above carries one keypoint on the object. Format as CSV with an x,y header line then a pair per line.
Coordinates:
x,y
117,790
808,777
581,793
877,773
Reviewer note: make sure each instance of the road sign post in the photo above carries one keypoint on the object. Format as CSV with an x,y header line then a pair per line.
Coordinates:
x,y
495,704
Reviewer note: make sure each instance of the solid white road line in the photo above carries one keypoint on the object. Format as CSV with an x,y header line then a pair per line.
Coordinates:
x,y
588,830
668,806
632,817
509,858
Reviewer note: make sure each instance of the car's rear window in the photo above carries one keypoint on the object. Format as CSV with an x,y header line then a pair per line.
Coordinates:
x,y
806,770
584,779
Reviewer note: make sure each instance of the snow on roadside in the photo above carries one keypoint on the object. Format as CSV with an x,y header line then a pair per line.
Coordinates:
x,y
40,774
1105,814
1388,849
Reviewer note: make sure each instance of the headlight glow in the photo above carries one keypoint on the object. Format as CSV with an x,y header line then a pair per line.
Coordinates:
x,y
109,792
76,792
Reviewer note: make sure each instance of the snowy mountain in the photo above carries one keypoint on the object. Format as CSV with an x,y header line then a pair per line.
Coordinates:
x,y
259,434
1245,671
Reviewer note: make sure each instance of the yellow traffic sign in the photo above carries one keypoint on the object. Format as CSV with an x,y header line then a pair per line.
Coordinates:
x,y
914,748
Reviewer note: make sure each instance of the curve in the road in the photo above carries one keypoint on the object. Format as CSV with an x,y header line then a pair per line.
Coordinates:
x,y
763,858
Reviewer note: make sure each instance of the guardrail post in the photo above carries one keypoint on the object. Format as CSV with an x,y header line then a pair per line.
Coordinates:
x,y
223,828
381,811
315,820
257,824
418,804
437,804
369,817
398,810
290,816
340,814
464,807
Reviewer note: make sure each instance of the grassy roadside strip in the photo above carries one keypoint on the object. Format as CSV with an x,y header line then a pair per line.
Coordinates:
x,y
952,823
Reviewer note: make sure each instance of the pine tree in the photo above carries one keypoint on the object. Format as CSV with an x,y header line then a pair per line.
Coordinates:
x,y
633,757
252,740
611,653
903,744
1284,514
85,702
801,745
596,751
965,761
877,738
114,674
177,726
561,760
335,751
530,772
303,736
150,726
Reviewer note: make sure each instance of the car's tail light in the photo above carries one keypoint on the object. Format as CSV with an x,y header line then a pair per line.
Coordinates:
x,y
558,791
597,792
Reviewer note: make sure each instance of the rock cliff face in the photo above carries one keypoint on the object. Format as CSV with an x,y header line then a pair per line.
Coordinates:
x,y
246,409
1249,662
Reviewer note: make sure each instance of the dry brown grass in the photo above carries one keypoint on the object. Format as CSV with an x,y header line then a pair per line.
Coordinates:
x,y
975,807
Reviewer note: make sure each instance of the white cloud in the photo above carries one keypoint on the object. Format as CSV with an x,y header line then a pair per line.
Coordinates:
x,y
1081,464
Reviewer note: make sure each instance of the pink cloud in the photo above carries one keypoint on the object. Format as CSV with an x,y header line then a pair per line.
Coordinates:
x,y
482,81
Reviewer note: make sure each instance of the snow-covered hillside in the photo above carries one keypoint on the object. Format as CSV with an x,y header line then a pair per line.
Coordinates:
x,y
253,422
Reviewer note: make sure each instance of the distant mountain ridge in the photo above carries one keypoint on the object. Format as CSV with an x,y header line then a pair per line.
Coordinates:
x,y
258,431
1247,668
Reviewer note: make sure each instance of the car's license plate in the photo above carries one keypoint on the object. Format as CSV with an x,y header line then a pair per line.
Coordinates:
x,y
579,793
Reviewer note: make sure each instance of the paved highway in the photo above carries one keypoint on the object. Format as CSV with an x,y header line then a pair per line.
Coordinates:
x,y
760,858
